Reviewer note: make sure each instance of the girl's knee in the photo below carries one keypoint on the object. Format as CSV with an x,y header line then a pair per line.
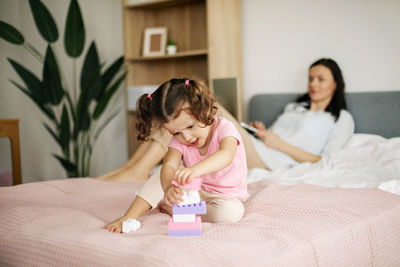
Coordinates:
x,y
230,211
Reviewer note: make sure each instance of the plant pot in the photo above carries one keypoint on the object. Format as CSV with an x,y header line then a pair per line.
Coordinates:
x,y
171,49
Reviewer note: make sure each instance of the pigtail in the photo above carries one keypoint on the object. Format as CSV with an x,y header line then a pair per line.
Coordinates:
x,y
202,101
144,117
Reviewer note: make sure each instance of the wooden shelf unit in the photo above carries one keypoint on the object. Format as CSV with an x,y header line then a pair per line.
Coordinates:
x,y
207,34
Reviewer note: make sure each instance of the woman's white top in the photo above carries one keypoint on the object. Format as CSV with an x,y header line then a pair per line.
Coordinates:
x,y
312,131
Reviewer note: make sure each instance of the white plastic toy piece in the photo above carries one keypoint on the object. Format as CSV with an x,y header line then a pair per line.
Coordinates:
x,y
184,217
130,225
189,197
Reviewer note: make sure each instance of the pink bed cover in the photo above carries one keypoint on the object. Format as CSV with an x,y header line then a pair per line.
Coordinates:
x,y
60,223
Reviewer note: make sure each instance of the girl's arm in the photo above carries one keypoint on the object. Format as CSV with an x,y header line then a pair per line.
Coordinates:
x,y
217,161
272,140
172,194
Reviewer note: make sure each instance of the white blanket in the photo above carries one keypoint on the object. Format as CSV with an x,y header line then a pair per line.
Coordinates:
x,y
367,161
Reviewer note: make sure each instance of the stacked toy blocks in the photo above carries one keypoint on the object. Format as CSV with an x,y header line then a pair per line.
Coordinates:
x,y
184,221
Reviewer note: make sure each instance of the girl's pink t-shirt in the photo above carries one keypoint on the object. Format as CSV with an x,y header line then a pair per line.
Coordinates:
x,y
231,181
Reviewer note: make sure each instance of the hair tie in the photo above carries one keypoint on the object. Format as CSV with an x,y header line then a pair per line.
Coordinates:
x,y
149,95
187,82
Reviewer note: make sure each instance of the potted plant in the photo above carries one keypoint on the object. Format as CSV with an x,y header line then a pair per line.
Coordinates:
x,y
73,111
171,47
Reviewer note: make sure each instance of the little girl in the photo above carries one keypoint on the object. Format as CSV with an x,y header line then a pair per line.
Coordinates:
x,y
210,146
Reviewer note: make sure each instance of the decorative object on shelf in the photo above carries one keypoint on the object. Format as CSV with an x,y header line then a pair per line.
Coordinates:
x,y
171,48
73,114
155,40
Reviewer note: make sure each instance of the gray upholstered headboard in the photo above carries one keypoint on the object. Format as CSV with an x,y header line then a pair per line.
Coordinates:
x,y
373,112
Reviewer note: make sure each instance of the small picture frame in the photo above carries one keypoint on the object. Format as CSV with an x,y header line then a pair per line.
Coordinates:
x,y
155,40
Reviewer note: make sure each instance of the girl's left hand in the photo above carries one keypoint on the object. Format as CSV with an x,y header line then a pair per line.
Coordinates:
x,y
186,175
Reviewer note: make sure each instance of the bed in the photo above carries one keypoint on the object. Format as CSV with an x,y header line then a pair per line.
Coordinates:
x,y
341,211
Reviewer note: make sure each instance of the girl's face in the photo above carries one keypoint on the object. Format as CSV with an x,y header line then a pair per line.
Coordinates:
x,y
188,130
321,84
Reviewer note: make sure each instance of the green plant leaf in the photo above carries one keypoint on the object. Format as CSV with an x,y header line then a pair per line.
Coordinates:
x,y
103,102
53,134
82,121
52,86
109,74
31,81
11,34
46,110
64,130
104,124
44,21
67,165
90,74
74,36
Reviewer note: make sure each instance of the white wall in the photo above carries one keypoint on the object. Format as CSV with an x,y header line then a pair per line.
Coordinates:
x,y
281,38
103,22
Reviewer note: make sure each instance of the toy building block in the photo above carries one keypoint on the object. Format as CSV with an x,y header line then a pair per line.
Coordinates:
x,y
185,225
184,217
184,221
196,208
184,228
194,232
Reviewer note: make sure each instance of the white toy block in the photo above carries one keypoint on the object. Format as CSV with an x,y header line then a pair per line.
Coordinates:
x,y
184,217
130,225
189,197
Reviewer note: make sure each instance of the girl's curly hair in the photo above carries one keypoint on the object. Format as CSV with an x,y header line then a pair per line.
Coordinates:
x,y
167,102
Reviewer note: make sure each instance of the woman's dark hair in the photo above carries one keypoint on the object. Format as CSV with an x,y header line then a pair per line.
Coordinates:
x,y
167,102
338,101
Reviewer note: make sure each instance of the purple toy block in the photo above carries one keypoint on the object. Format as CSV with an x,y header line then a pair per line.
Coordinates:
x,y
194,232
196,208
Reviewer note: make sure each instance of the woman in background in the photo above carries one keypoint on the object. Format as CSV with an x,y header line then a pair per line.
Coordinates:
x,y
315,124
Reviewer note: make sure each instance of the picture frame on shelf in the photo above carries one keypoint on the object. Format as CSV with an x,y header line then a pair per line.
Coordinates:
x,y
154,41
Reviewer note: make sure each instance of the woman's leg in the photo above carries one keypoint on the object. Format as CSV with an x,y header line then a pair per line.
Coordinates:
x,y
145,158
252,157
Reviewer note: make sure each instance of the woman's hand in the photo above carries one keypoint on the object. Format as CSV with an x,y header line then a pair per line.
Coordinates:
x,y
186,175
258,124
173,195
269,138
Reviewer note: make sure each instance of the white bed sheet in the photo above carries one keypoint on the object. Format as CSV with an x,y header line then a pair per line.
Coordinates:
x,y
367,161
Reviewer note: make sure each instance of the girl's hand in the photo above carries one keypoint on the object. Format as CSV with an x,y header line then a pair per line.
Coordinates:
x,y
186,175
173,195
269,138
258,124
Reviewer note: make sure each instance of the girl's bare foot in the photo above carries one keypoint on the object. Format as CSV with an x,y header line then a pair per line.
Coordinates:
x,y
164,208
115,226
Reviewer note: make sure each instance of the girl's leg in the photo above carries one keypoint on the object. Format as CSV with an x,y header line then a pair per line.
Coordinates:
x,y
252,157
221,209
148,197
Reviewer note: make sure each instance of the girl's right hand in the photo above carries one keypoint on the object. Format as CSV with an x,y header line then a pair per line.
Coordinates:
x,y
173,195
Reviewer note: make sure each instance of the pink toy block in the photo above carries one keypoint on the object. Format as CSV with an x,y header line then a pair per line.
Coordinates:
x,y
197,208
194,232
184,225
195,184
